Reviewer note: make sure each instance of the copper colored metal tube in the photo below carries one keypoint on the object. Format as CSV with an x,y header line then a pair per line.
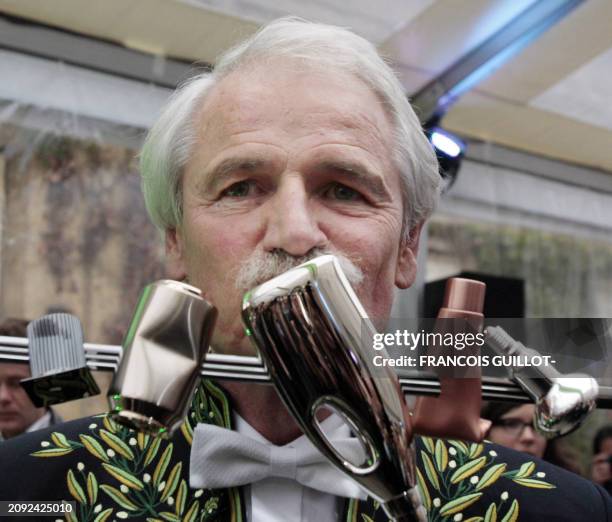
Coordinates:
x,y
456,412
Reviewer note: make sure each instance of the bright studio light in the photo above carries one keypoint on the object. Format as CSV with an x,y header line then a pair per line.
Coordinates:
x,y
446,144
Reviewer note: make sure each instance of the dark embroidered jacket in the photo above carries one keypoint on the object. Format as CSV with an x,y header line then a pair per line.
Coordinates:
x,y
113,473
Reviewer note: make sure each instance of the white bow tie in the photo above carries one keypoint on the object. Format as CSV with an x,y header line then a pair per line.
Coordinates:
x,y
221,458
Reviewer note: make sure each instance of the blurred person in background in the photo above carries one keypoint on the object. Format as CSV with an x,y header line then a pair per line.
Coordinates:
x,y
512,426
17,413
601,465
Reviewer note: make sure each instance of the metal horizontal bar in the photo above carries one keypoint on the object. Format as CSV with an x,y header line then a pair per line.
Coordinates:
x,y
251,369
92,53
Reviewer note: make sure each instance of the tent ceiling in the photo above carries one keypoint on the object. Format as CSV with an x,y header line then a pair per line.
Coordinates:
x,y
553,98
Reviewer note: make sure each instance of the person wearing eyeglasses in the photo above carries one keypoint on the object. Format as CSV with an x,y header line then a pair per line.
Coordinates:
x,y
512,426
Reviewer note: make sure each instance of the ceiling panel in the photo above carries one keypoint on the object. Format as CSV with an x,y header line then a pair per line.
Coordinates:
x,y
584,95
584,34
530,129
447,30
166,27
374,20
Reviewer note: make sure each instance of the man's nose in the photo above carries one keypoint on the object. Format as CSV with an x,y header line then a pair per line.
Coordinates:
x,y
290,221
6,395
528,434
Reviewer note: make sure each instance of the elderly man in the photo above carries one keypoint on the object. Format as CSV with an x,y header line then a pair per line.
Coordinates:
x,y
300,142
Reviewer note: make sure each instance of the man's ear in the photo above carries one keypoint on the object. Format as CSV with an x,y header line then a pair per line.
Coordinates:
x,y
175,262
405,271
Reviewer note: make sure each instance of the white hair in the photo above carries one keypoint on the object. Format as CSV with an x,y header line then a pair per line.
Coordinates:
x,y
170,142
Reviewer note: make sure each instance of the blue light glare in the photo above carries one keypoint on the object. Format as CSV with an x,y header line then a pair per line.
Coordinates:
x,y
536,22
446,144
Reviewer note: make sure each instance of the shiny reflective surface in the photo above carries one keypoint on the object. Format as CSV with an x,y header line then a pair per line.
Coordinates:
x,y
162,356
308,325
562,401
565,407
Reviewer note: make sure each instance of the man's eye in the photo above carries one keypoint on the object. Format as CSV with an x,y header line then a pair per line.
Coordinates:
x,y
238,190
343,193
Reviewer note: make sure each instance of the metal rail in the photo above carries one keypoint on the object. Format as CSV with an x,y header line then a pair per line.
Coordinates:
x,y
105,357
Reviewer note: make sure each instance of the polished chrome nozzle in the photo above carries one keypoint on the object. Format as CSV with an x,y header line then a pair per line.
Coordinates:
x,y
316,341
562,401
162,354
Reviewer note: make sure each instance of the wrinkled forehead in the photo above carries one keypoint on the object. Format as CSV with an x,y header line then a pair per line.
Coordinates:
x,y
296,93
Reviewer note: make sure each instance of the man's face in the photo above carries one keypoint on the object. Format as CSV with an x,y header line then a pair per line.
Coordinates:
x,y
17,412
289,160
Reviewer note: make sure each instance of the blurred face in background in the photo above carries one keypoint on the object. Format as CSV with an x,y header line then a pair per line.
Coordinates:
x,y
17,413
515,430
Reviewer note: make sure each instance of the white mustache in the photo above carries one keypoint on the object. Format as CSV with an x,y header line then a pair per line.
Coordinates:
x,y
261,266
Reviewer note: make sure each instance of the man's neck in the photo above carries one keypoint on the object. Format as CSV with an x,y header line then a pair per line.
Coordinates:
x,y
263,409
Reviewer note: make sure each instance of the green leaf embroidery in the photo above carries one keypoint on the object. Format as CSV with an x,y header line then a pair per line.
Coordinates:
x,y
191,515
441,455
430,471
429,444
170,517
533,483
475,450
162,465
75,488
423,490
468,469
366,518
525,470
211,504
143,440
152,451
109,424
124,477
474,519
461,446
491,514
92,488
52,452
172,482
60,440
187,431
513,512
490,476
119,497
104,515
117,444
459,504
94,447
181,496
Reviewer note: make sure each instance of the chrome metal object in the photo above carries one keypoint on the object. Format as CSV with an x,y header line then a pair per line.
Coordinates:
x,y
310,328
563,402
161,358
57,361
